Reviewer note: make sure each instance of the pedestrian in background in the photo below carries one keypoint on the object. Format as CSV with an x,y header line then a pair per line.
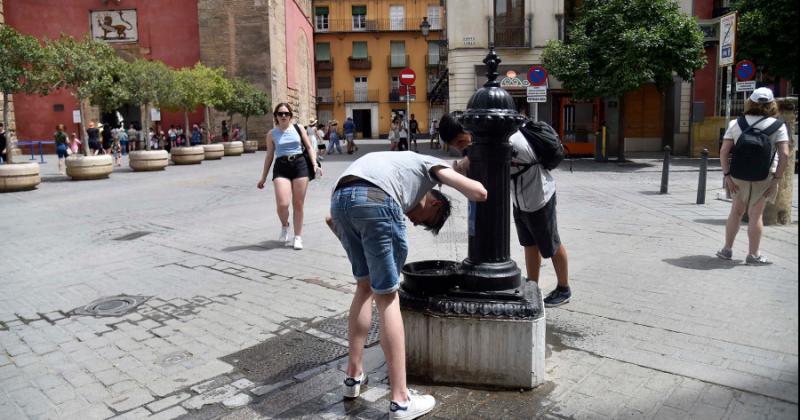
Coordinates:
x,y
285,144
413,130
224,131
533,189
402,134
350,135
368,209
749,192
108,138
320,132
236,132
74,143
394,133
61,141
123,139
333,137
197,135
93,135
434,133
133,138
3,144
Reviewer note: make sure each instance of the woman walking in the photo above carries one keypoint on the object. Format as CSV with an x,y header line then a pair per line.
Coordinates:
x,y
285,145
61,147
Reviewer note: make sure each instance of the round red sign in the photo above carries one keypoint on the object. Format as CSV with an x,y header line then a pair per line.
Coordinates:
x,y
407,76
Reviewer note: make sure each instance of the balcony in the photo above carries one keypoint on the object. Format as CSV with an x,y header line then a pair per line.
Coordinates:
x,y
324,65
361,95
394,95
510,36
410,24
397,61
324,96
360,63
432,60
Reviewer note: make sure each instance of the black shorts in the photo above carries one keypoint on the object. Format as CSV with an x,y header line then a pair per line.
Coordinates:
x,y
539,228
290,169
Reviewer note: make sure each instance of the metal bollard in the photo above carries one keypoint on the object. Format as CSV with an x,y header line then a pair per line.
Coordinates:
x,y
665,170
701,182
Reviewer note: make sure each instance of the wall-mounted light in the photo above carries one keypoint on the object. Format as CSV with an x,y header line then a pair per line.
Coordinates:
x,y
425,27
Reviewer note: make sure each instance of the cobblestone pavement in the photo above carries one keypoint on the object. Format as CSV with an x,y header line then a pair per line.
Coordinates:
x,y
657,326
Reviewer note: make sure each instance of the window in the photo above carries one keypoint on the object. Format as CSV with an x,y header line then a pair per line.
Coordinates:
x,y
359,18
397,18
394,89
360,89
321,19
324,94
433,52
435,17
322,51
509,23
360,50
398,54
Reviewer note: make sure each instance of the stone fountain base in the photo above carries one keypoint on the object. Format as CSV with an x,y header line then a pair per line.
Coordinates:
x,y
475,341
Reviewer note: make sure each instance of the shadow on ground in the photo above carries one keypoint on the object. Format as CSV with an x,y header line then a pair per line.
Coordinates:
x,y
715,222
702,262
262,246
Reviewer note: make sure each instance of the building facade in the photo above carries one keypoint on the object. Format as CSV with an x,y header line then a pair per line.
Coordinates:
x,y
267,42
361,46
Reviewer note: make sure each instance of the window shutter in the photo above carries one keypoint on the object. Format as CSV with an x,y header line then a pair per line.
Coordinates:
x,y
359,10
360,49
321,11
323,52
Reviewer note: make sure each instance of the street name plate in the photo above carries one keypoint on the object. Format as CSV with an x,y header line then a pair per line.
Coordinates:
x,y
537,90
746,86
537,98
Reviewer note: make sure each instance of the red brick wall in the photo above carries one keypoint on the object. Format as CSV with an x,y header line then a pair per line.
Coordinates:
x,y
168,32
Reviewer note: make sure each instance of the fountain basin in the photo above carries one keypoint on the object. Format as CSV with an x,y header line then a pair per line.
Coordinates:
x,y
431,276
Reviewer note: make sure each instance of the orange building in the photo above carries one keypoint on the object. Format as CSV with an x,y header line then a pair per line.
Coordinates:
x,y
360,48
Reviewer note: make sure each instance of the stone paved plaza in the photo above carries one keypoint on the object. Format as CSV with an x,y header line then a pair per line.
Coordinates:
x,y
237,326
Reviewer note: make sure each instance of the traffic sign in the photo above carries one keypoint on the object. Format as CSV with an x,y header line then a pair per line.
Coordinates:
x,y
407,89
537,75
537,98
745,70
727,43
747,86
407,76
536,90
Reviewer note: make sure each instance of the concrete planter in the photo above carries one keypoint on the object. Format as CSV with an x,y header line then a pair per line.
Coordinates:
x,y
233,148
187,155
19,176
250,146
213,151
81,167
148,160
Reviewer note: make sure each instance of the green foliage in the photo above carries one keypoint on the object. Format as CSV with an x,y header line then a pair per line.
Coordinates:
x,y
148,82
214,89
184,96
767,35
616,46
246,100
20,58
89,68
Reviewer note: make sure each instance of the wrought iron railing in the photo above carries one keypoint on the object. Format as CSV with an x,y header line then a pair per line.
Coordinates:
x,y
373,25
360,63
397,61
361,95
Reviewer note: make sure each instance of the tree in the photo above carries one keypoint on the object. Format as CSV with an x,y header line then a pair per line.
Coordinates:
x,y
184,97
150,83
616,46
246,100
767,35
213,88
87,68
21,59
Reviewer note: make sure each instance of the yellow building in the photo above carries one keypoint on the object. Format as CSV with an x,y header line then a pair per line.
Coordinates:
x,y
360,49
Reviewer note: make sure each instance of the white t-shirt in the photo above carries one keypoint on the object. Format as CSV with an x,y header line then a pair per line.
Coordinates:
x,y
534,187
404,176
779,136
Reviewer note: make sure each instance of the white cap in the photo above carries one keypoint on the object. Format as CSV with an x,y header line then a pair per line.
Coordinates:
x,y
762,95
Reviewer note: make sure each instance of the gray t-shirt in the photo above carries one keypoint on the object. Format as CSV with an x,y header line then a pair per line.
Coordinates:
x,y
535,187
405,176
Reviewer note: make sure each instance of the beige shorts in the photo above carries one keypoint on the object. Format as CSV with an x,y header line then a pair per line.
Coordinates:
x,y
752,191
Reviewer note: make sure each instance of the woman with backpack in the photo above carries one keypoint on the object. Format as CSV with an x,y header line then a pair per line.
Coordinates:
x,y
759,142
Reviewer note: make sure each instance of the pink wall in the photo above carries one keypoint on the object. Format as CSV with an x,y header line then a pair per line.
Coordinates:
x,y
297,20
168,32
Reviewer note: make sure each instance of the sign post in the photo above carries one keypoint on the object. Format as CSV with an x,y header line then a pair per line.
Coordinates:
x,y
537,91
407,78
727,51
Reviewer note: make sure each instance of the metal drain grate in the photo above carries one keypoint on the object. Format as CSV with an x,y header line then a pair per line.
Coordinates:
x,y
338,327
133,235
111,306
284,356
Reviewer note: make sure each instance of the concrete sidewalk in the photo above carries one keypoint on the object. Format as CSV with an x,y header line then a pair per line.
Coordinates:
x,y
236,326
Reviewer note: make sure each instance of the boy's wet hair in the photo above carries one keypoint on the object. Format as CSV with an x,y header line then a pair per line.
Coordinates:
x,y
449,128
444,212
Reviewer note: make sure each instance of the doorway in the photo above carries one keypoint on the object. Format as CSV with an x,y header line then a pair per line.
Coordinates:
x,y
579,122
131,114
363,121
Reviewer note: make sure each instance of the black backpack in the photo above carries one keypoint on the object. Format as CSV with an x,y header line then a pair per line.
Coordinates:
x,y
753,152
545,143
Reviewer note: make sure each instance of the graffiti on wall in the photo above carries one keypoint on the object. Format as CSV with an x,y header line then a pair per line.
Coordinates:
x,y
114,25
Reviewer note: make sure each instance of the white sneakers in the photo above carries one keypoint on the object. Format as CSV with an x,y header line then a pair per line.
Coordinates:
x,y
285,237
417,405
298,243
352,386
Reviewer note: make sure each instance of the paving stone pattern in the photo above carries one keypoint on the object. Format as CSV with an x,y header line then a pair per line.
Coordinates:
x,y
657,326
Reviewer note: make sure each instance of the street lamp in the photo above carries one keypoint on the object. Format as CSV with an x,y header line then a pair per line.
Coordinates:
x,y
425,27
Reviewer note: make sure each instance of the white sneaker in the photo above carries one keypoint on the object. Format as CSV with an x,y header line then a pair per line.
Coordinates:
x,y
417,405
284,235
298,243
352,386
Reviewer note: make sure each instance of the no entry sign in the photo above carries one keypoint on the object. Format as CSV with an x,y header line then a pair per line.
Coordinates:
x,y
537,75
745,70
407,76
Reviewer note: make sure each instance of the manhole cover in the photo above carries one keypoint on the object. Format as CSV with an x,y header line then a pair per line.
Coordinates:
x,y
337,327
133,235
284,356
111,306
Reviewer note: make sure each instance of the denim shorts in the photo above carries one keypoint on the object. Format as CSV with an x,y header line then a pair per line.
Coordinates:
x,y
371,227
